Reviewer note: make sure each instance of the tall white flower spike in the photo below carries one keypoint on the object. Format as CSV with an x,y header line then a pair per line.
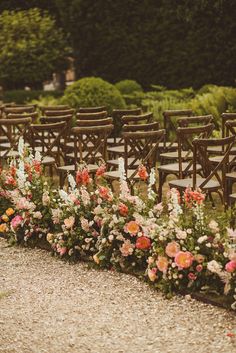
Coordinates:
x,y
71,182
21,146
152,180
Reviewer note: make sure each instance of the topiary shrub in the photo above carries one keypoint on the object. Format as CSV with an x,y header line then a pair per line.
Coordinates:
x,y
128,86
92,92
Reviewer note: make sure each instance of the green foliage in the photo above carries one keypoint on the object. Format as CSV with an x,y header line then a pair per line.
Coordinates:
x,y
32,48
23,96
91,92
128,86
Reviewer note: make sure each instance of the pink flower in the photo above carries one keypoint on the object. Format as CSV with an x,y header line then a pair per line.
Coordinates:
x,y
127,248
230,266
104,192
183,259
172,249
152,274
162,263
123,209
199,268
16,221
101,170
69,222
143,243
192,276
62,251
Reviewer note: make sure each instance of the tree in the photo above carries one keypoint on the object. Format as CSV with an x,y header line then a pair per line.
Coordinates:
x,y
32,48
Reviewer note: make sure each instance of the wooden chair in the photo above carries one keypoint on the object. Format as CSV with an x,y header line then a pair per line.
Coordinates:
x,y
118,149
13,130
184,166
90,146
140,148
117,115
46,138
54,108
34,116
189,121
213,179
92,116
19,109
51,113
230,129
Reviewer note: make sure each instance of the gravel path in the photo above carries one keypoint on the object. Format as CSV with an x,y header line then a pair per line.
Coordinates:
x,y
48,306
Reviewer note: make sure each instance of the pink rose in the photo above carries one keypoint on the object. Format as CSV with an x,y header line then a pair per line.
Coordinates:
x,y
199,268
192,276
16,221
62,251
172,249
183,259
230,266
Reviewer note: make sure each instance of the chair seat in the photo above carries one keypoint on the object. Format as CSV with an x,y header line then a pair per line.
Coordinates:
x,y
118,149
168,145
10,154
72,144
231,176
184,183
232,197
174,155
115,175
218,159
218,150
48,160
71,168
174,168
114,140
115,162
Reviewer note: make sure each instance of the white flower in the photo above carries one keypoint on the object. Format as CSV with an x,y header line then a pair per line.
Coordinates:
x,y
46,198
152,180
214,267
231,233
21,146
71,182
214,226
63,195
202,239
37,215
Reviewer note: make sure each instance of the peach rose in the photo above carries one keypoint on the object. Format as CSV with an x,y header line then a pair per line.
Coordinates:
x,y
162,263
142,172
5,218
184,259
10,212
3,228
132,227
69,222
199,258
152,274
172,249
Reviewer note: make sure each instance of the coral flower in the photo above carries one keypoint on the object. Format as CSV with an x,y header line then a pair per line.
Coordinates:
x,y
69,222
142,172
123,209
143,243
127,248
152,274
101,170
162,263
132,227
10,212
183,259
104,192
16,221
3,228
172,249
230,266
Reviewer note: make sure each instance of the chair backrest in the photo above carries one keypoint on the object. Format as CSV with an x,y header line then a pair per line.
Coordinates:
x,y
98,122
185,138
54,108
195,120
141,127
48,136
19,109
225,117
92,116
117,114
141,146
34,116
212,170
92,109
90,143
59,112
169,118
13,130
137,119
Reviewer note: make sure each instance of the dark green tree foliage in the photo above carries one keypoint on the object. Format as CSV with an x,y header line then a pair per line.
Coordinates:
x,y
32,48
174,43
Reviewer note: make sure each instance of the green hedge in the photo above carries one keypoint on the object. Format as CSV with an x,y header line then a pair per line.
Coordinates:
x,y
23,96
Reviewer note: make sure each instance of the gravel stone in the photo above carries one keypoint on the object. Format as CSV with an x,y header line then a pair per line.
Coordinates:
x,y
50,306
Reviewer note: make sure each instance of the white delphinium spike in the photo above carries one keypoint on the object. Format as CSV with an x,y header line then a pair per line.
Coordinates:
x,y
71,182
38,156
21,146
124,190
152,180
20,173
63,195
174,205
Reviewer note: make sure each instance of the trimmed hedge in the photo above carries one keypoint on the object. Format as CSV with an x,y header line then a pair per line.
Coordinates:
x,y
23,96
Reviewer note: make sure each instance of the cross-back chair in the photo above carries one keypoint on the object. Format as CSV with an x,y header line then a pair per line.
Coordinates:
x,y
117,115
54,108
230,130
90,146
213,175
183,167
98,109
140,148
12,130
92,116
34,116
46,138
